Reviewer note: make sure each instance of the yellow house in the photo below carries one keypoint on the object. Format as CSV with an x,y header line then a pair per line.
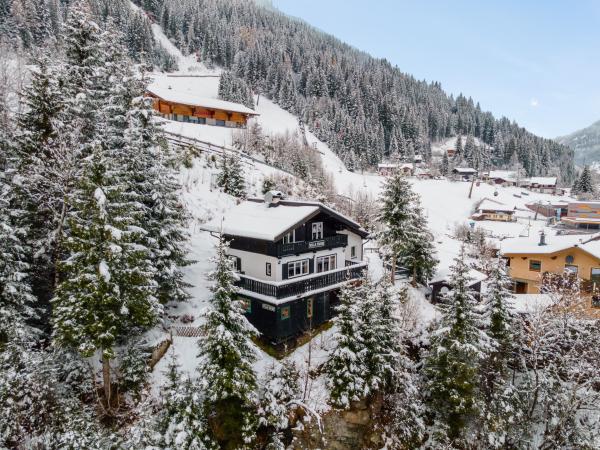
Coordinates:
x,y
528,260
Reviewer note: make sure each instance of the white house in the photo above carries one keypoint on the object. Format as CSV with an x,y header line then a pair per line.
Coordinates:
x,y
291,257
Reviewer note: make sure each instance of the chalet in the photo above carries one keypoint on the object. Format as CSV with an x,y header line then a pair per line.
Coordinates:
x,y
440,284
492,210
185,107
387,169
545,185
583,215
451,152
529,260
464,173
502,177
292,257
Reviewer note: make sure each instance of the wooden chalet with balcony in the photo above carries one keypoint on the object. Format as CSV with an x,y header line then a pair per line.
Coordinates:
x,y
186,107
292,257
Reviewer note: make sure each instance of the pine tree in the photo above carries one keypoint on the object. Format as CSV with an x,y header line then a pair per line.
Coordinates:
x,y
405,238
231,176
452,363
585,184
499,409
107,270
182,423
445,167
280,388
152,183
345,371
226,374
16,299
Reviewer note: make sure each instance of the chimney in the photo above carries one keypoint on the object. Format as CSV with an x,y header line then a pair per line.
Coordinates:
x,y
542,238
272,198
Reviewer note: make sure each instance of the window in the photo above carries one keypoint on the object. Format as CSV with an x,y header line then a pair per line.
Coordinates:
x,y
317,231
297,268
290,237
595,275
309,307
325,263
353,251
571,269
268,269
236,263
535,266
284,313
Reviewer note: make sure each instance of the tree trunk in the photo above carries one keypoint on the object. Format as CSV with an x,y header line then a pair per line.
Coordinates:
x,y
414,278
471,190
106,379
393,274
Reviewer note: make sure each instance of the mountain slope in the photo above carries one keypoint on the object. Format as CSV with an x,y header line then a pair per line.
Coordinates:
x,y
585,143
362,107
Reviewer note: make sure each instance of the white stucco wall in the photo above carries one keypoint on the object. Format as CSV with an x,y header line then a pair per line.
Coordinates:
x,y
353,240
254,264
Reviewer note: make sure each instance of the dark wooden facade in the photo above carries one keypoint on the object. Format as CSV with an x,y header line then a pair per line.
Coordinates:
x,y
279,323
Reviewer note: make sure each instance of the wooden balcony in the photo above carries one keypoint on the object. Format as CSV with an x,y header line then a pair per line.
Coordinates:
x,y
313,282
296,248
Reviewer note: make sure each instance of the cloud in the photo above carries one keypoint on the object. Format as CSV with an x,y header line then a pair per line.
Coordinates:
x,y
534,103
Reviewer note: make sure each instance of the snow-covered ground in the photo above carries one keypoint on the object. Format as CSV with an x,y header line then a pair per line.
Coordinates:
x,y
446,204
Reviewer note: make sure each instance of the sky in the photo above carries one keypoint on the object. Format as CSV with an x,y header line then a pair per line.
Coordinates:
x,y
533,61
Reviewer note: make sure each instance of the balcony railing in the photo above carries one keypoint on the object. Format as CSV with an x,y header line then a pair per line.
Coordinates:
x,y
295,248
292,288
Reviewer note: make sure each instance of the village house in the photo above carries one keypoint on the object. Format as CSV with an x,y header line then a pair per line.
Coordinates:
x,y
501,177
492,210
292,257
529,259
545,185
584,215
464,173
388,169
185,107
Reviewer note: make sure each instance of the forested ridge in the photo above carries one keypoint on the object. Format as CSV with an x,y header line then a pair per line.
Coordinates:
x,y
364,108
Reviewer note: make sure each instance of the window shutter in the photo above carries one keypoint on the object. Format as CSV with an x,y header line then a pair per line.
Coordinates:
x,y
311,265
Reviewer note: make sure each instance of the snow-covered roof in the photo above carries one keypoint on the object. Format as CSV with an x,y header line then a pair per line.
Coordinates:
x,y
545,181
387,166
556,243
491,205
186,98
506,175
464,170
258,221
254,219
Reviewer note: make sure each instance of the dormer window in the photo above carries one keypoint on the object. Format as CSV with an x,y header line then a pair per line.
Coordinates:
x,y
317,231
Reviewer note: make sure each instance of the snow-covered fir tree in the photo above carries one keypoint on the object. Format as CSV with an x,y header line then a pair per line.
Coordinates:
x,y
231,175
182,423
445,167
16,298
584,185
107,269
151,181
278,391
452,362
227,353
405,239
345,370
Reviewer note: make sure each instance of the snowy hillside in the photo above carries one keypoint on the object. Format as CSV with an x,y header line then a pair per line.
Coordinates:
x,y
446,203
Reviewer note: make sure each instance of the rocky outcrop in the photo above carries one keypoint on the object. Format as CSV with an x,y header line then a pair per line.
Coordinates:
x,y
356,428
